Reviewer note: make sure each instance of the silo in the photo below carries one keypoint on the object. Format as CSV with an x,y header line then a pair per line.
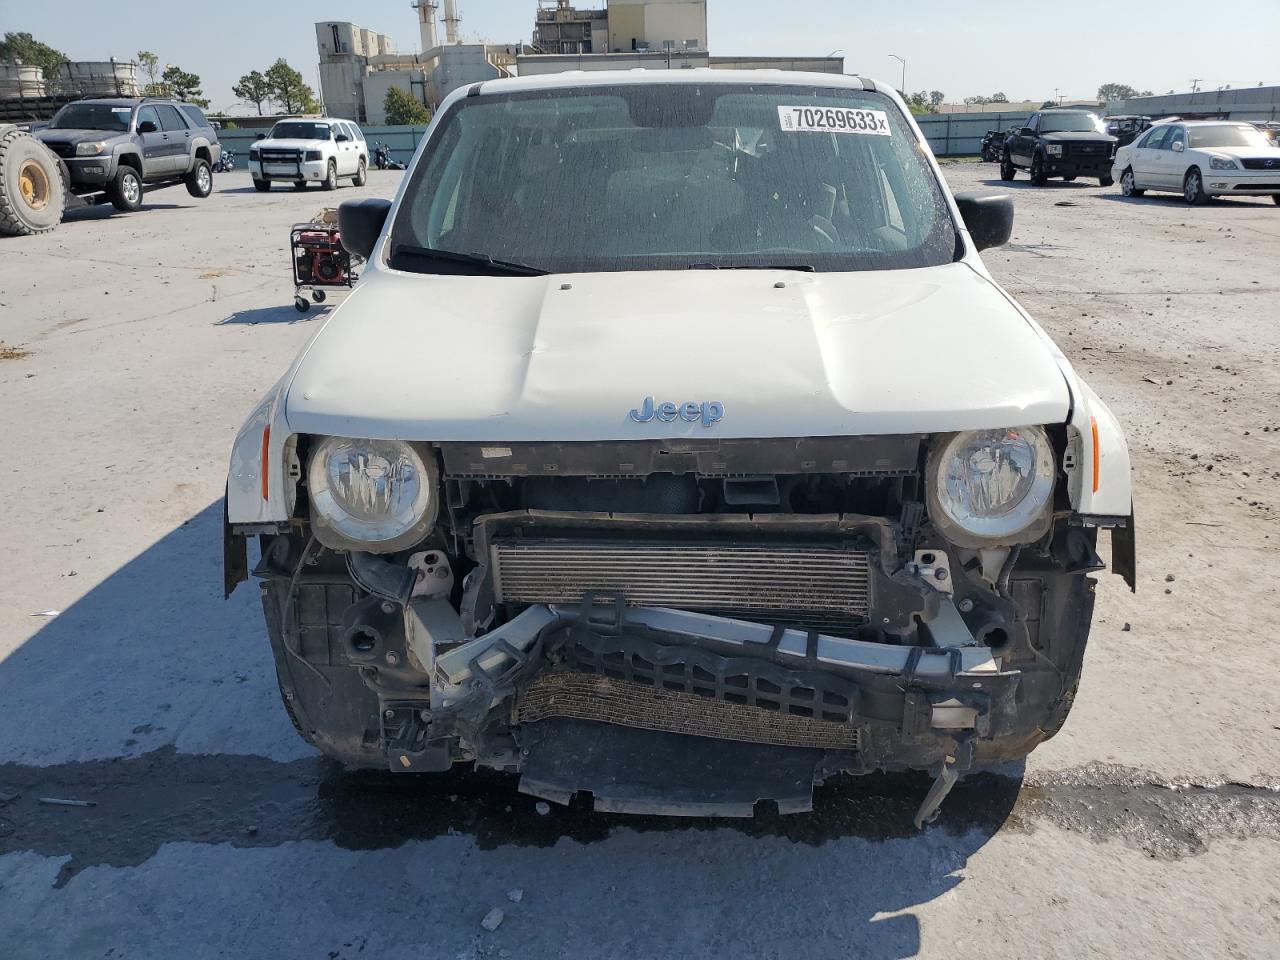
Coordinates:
x,y
20,82
98,78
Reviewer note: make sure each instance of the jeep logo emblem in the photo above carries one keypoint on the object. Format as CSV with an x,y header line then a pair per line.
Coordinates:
x,y
708,412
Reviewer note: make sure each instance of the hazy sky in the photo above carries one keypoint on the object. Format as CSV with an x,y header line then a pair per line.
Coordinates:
x,y
1023,50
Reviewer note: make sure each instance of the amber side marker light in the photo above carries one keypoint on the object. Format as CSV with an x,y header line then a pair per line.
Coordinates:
x,y
1093,426
266,462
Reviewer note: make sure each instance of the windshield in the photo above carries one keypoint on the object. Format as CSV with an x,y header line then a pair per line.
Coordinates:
x,y
1226,135
652,177
92,116
300,130
1070,123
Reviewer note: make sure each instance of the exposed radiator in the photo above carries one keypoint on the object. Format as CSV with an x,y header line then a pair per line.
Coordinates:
x,y
802,583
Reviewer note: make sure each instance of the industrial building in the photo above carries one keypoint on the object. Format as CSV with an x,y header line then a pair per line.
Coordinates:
x,y
358,66
27,94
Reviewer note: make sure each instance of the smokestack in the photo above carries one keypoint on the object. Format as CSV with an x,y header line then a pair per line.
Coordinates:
x,y
427,24
450,21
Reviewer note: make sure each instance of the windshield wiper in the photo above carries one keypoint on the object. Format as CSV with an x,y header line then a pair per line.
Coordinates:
x,y
467,259
801,267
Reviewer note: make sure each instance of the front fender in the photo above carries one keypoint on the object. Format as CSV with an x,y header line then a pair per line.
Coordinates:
x,y
1101,485
258,486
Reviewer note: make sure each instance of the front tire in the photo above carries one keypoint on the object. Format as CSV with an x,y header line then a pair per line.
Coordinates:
x,y
1193,188
1007,170
1038,177
330,181
299,184
262,186
1128,184
125,191
362,174
1275,198
200,180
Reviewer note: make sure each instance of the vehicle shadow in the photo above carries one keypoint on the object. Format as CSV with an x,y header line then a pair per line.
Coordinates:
x,y
155,699
1049,184
1173,199
280,314
104,211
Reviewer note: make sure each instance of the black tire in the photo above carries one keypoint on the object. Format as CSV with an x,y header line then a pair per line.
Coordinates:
x,y
299,184
318,296
1007,170
125,190
362,174
1275,198
200,180
32,193
1127,182
1070,178
1107,181
262,186
1038,176
1193,188
330,182
300,304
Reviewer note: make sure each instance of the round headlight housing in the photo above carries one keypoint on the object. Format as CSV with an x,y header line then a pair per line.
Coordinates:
x,y
378,496
990,487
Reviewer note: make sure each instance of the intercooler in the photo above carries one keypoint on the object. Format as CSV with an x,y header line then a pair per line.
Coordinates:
x,y
796,583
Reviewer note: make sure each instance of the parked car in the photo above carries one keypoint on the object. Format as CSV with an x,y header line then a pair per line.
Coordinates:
x,y
1059,143
1201,159
117,148
301,151
663,453
993,145
1126,128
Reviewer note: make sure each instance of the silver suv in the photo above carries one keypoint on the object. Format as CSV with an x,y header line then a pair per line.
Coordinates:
x,y
113,149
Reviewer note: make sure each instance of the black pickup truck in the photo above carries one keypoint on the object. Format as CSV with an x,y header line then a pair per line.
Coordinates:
x,y
1059,143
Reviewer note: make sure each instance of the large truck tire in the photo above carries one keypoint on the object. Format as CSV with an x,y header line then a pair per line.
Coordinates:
x,y
32,195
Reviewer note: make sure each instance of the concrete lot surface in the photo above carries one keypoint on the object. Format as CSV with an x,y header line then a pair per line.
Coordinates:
x,y
134,346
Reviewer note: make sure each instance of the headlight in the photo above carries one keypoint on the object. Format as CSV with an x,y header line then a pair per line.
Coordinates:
x,y
373,495
253,153
1054,149
1223,163
992,486
314,155
90,149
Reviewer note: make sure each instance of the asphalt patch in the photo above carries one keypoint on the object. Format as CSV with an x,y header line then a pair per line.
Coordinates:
x,y
141,803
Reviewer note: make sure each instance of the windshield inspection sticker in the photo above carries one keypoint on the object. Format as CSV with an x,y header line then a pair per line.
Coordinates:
x,y
834,120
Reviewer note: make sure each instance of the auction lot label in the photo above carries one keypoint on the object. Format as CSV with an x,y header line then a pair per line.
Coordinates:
x,y
834,120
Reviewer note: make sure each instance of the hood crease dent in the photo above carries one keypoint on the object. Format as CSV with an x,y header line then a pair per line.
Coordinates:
x,y
450,358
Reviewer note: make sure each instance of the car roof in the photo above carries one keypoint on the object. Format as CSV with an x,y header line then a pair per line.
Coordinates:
x,y
577,79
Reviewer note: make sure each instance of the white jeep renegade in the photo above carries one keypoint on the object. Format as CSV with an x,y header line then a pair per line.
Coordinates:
x,y
676,447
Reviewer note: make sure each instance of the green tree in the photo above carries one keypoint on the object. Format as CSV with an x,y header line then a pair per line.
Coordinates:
x,y
255,88
936,98
183,85
27,49
403,109
997,98
150,64
1115,91
289,90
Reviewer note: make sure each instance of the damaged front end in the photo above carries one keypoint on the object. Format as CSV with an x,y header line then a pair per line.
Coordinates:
x,y
675,626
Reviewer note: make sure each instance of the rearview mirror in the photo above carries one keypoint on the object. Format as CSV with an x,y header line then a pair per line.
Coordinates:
x,y
988,217
360,223
341,138
261,136
147,126
1026,132
1178,146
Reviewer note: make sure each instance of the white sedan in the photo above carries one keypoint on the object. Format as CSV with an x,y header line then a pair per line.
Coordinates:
x,y
1201,159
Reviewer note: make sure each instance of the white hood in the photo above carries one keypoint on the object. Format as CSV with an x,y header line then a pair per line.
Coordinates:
x,y
787,354
291,144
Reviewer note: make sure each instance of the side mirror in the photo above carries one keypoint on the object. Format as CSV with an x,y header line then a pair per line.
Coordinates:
x,y
988,217
360,223
261,136
1026,132
1178,146
147,126
341,138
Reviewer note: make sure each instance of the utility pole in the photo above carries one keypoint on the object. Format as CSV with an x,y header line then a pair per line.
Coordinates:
x,y
1195,84
901,60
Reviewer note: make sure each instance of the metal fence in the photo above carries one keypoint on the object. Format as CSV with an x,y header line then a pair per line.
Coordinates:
x,y
949,134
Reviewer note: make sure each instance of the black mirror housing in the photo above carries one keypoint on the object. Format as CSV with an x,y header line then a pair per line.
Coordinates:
x,y
360,223
261,136
988,217
341,138
147,126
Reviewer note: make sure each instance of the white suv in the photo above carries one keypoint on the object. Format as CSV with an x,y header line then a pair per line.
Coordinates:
x,y
300,150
